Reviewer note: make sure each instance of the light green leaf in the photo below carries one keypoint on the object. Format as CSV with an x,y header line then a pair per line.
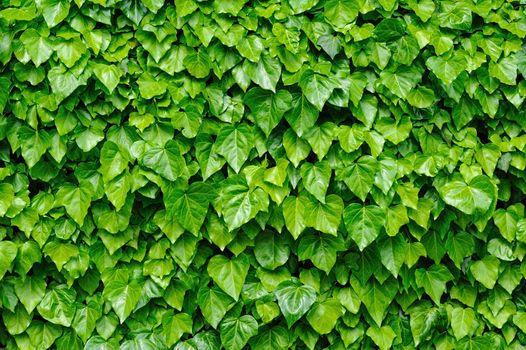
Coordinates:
x,y
58,305
324,217
486,271
433,280
320,249
462,321
123,296
316,87
316,178
234,143
324,315
8,252
470,199
382,336
235,332
295,214
109,75
271,250
214,303
268,108
447,69
294,299
75,199
166,161
363,223
229,275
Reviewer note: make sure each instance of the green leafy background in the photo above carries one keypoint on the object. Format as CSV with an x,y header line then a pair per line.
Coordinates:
x,y
337,174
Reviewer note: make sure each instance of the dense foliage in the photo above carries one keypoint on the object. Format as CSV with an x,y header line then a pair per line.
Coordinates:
x,y
336,174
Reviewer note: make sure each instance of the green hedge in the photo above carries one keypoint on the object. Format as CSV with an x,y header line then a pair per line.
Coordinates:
x,y
301,174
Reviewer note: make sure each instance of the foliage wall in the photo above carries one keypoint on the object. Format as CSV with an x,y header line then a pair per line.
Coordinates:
x,y
302,174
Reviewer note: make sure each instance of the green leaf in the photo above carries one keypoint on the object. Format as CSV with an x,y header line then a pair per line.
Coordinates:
x,y
363,223
8,252
189,206
382,336
359,176
303,114
341,14
402,81
294,299
234,143
316,88
447,69
174,326
421,97
30,292
198,64
486,271
504,70
475,197
109,75
433,280
265,73
112,161
324,217
54,11
214,303
375,296
34,144
123,296
166,161
75,199
268,108
60,253
271,251
316,179
235,332
393,253
506,221
295,214
58,305
320,249
38,47
16,322
229,274
86,318
323,316
462,321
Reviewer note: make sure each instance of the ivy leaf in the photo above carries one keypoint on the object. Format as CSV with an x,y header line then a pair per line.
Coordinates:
x,y
359,176
166,161
363,223
316,179
229,275
271,251
34,144
234,143
433,280
30,292
268,108
109,75
375,296
323,316
214,304
402,81
235,332
265,73
447,69
8,252
75,199
326,216
295,214
123,296
320,249
38,47
189,206
294,299
486,271
240,202
316,88
54,11
471,198
58,305
303,114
